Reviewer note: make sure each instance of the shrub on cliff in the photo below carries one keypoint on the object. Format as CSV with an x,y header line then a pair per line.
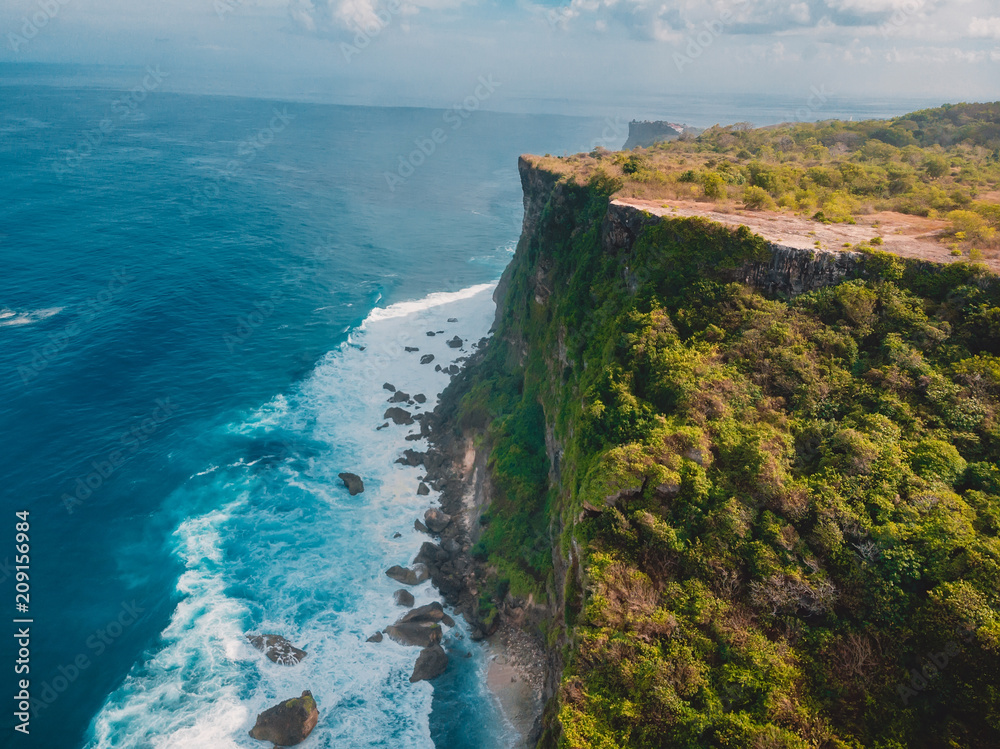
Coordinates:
x,y
756,198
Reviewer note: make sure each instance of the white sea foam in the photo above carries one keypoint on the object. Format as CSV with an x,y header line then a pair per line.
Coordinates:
x,y
10,318
291,552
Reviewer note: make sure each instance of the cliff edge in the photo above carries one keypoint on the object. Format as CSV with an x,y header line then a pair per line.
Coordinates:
x,y
714,490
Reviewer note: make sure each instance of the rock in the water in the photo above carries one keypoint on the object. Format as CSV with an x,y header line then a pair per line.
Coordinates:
x,y
413,437
353,483
384,426
432,613
436,520
420,527
415,634
377,637
399,397
430,333
287,723
411,458
427,358
403,597
430,664
420,398
454,369
398,415
411,349
397,534
388,386
437,367
452,319
455,342
423,490
409,576
277,649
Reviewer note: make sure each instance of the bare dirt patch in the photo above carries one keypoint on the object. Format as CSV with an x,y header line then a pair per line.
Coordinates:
x,y
903,235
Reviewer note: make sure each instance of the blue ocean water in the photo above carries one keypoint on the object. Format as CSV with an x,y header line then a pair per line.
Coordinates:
x,y
200,298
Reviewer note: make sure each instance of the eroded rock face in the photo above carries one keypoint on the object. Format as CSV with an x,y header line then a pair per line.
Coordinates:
x,y
277,649
353,483
430,664
287,723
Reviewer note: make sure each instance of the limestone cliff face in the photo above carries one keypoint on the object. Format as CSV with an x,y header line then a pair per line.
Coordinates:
x,y
789,272
650,133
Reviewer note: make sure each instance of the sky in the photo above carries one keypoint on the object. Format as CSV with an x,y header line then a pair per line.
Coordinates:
x,y
576,55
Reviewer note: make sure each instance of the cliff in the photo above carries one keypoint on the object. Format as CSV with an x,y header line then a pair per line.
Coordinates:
x,y
642,134
735,493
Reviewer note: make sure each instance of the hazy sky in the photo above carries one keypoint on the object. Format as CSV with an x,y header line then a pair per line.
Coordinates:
x,y
433,52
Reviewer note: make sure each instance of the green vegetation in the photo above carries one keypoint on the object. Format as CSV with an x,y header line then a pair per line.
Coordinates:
x,y
940,163
780,516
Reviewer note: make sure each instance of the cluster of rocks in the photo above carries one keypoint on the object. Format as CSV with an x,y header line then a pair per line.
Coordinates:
x,y
446,564
419,627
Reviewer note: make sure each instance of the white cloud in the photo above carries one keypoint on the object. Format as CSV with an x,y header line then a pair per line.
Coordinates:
x,y
985,27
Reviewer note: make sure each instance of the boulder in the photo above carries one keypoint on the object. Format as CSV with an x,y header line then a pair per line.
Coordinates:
x,y
432,613
431,333
411,458
403,597
353,482
377,637
454,369
422,489
388,386
452,319
287,723
455,342
415,634
436,520
417,525
408,576
399,415
430,664
411,348
399,397
420,398
277,649
668,490
397,534
431,554
427,358
384,426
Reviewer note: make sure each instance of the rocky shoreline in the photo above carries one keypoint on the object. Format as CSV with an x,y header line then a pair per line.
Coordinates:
x,y
519,672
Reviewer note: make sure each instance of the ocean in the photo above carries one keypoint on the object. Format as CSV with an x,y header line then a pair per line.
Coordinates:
x,y
200,300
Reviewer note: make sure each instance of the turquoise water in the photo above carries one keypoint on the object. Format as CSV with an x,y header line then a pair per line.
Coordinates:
x,y
200,300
